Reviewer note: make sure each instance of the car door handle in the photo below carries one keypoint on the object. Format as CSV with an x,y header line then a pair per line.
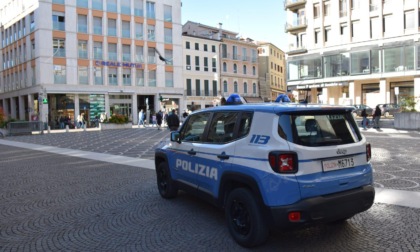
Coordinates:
x,y
223,156
192,152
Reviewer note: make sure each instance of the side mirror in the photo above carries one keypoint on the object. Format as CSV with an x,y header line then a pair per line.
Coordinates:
x,y
175,137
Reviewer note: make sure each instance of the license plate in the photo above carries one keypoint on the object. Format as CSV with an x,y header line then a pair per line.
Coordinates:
x,y
337,164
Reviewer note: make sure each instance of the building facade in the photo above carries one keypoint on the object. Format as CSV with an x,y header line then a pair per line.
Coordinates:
x,y
64,58
236,63
271,71
201,71
353,51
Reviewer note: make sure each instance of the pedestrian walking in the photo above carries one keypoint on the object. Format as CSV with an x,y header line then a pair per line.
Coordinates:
x,y
141,119
173,121
159,118
377,116
80,121
165,118
62,119
154,121
365,120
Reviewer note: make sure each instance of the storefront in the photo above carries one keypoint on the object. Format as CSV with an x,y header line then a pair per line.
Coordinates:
x,y
62,109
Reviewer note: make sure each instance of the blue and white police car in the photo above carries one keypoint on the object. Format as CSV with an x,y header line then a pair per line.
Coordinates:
x,y
270,165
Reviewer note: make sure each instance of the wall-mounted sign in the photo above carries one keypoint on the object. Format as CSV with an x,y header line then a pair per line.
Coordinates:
x,y
321,85
117,64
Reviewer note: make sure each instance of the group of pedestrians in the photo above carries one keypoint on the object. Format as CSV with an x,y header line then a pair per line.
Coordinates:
x,y
157,119
376,116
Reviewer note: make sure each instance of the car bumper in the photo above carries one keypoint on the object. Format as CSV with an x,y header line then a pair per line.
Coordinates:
x,y
323,209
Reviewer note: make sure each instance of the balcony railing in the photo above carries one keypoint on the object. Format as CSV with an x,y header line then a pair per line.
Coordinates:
x,y
297,24
151,59
99,80
97,30
138,12
112,31
139,58
59,79
83,80
82,28
59,52
126,57
59,26
140,82
125,33
127,81
112,56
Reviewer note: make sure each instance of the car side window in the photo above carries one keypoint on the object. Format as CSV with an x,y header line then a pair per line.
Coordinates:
x,y
245,124
221,129
193,131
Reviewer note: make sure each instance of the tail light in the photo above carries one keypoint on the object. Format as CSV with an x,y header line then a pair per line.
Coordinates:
x,y
283,162
368,152
294,216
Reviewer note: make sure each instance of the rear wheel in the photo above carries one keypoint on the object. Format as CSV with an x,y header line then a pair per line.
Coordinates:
x,y
244,218
166,185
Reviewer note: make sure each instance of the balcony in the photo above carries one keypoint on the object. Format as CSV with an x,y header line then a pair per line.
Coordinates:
x,y
293,50
297,26
293,5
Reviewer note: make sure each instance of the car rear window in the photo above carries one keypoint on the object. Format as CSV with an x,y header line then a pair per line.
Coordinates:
x,y
319,128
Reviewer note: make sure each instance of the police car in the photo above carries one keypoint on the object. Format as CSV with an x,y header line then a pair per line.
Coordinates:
x,y
270,165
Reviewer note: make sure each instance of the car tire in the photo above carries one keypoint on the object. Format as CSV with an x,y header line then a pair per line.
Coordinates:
x,y
244,218
166,185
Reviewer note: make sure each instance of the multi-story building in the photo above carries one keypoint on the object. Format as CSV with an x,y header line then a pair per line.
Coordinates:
x,y
238,62
271,71
201,71
353,51
64,58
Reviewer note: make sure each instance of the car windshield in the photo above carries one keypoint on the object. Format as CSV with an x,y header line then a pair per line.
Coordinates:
x,y
319,129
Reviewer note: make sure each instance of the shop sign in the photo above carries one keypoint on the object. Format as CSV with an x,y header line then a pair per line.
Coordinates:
x,y
322,85
117,64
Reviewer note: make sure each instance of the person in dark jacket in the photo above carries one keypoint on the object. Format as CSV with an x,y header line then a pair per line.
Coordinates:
x,y
159,118
364,120
173,121
377,116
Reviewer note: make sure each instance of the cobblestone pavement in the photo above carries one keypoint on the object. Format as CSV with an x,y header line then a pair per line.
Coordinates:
x,y
396,160
51,202
395,156
135,142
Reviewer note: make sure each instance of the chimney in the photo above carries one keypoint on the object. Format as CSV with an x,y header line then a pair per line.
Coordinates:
x,y
220,31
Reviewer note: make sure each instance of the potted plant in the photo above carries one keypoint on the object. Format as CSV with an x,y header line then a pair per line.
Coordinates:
x,y
409,118
116,121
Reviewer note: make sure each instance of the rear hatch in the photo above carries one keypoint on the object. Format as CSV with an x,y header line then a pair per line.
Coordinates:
x,y
330,149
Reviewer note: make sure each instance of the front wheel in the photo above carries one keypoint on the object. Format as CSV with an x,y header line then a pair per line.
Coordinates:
x,y
166,185
244,218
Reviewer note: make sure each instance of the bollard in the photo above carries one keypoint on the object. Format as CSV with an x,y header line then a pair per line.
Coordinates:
x,y
84,127
67,128
49,129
